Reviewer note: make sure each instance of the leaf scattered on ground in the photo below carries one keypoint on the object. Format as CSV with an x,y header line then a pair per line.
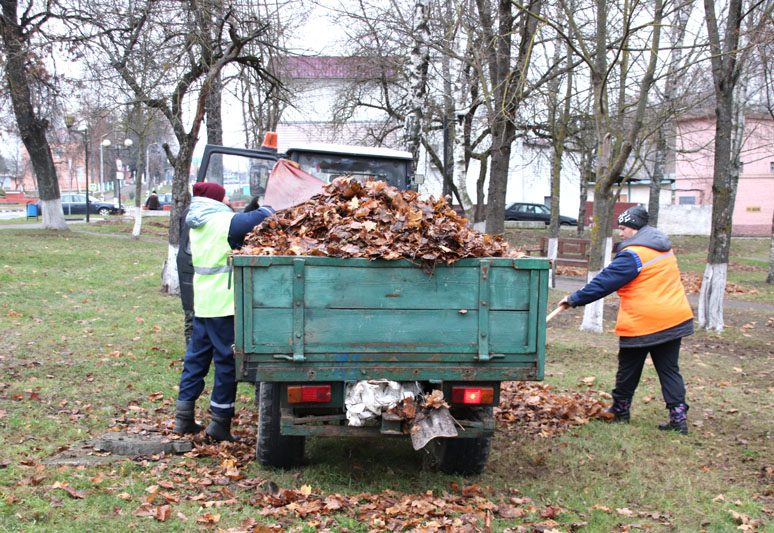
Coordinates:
x,y
692,283
536,409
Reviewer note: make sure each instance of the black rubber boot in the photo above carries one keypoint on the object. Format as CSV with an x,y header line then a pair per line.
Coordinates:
x,y
678,419
621,410
184,418
220,429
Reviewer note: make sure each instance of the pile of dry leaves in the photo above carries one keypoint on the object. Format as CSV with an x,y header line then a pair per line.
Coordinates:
x,y
692,283
375,221
533,408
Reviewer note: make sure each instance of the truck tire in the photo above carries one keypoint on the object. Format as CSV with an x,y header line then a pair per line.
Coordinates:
x,y
272,448
464,456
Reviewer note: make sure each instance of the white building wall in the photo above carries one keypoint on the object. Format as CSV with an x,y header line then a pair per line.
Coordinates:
x,y
685,219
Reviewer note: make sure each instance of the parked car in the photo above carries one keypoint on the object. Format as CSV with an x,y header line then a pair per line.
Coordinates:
x,y
75,204
535,212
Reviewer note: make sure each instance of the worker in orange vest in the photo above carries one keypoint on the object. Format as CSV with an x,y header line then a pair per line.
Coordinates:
x,y
653,317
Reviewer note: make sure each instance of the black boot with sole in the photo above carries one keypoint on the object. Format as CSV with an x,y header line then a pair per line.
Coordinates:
x,y
184,418
621,410
220,429
678,419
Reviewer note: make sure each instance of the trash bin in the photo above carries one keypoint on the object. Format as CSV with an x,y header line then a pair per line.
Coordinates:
x,y
32,211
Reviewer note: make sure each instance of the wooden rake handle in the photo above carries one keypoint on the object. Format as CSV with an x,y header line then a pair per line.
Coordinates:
x,y
553,313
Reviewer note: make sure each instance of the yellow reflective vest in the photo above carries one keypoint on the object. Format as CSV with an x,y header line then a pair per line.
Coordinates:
x,y
213,295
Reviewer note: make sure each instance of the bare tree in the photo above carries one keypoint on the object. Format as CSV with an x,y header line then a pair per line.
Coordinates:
x,y
617,128
507,78
559,117
665,132
728,62
28,81
191,43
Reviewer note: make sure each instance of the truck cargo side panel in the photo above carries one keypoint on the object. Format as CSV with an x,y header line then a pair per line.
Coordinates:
x,y
316,318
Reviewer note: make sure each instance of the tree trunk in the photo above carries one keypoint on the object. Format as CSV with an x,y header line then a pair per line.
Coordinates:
x,y
214,123
480,214
508,79
420,60
725,73
32,128
503,134
462,107
654,197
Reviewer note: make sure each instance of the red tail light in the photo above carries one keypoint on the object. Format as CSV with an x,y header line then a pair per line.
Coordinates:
x,y
309,394
473,395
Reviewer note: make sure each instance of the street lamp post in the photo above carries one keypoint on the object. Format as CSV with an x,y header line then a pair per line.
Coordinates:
x,y
70,122
104,144
127,145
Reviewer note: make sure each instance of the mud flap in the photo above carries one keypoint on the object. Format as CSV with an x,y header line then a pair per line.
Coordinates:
x,y
432,423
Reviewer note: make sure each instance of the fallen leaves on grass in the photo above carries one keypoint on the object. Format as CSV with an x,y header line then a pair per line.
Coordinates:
x,y
221,481
692,283
536,409
575,272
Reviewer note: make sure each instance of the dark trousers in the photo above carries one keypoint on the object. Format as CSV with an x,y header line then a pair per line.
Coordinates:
x,y
188,326
664,357
212,339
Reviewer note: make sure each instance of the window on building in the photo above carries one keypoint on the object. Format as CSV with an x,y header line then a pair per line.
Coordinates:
x,y
771,167
687,200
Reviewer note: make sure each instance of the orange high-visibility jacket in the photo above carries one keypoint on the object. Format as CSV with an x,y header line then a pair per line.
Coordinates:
x,y
655,300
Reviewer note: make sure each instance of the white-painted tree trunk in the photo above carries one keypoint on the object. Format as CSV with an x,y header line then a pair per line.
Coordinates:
x,y
170,283
593,313
553,252
713,289
137,222
53,216
418,65
461,89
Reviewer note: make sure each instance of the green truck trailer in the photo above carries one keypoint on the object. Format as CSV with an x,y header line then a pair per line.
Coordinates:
x,y
307,327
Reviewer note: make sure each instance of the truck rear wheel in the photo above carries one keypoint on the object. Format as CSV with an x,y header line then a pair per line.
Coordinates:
x,y
274,449
465,456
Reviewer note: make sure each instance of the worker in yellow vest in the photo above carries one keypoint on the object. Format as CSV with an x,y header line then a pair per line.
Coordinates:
x,y
214,231
653,317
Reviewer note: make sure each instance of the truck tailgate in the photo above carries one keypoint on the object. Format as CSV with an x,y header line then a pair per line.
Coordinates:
x,y
328,319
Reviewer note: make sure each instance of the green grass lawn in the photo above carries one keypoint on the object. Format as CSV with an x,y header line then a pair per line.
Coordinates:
x,y
90,345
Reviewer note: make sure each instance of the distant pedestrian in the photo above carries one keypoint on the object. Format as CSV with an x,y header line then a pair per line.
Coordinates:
x,y
653,317
152,203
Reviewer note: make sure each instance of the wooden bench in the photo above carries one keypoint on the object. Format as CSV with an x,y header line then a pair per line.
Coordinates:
x,y
570,251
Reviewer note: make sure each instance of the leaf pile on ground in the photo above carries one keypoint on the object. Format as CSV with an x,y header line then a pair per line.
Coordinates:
x,y
536,409
692,283
575,272
376,221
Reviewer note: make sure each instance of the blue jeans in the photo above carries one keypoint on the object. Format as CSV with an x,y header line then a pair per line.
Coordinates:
x,y
212,338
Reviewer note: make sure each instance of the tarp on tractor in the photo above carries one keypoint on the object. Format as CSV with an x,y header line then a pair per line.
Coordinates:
x,y
288,185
